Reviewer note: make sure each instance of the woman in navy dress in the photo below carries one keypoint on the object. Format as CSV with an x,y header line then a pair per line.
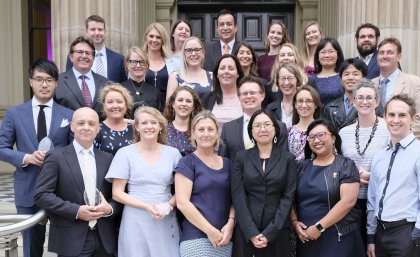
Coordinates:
x,y
326,218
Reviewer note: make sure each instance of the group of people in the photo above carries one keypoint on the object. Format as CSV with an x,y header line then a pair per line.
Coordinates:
x,y
185,149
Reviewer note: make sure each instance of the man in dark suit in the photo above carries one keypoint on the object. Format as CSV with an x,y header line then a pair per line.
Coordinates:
x,y
107,63
78,229
226,28
79,86
234,137
367,36
25,125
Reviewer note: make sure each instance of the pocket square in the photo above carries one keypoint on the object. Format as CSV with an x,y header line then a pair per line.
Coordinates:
x,y
64,123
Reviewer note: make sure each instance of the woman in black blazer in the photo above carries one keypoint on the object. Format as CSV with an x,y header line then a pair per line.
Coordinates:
x,y
263,187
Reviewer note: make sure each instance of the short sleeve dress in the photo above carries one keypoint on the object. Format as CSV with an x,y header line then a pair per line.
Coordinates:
x,y
140,234
211,196
329,88
179,140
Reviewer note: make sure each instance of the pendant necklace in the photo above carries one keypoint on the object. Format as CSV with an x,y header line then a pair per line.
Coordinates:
x,y
135,88
372,133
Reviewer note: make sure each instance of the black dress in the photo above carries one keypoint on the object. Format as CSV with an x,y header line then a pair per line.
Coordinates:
x,y
143,94
109,140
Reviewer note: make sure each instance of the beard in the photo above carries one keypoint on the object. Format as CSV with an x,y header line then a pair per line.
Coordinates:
x,y
365,52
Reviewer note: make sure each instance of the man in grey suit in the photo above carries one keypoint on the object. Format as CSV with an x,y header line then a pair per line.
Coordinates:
x,y
234,136
25,125
392,81
78,228
80,86
226,28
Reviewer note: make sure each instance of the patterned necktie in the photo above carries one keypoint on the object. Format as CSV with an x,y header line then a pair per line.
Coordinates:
x,y
86,92
100,69
42,123
226,49
384,84
90,185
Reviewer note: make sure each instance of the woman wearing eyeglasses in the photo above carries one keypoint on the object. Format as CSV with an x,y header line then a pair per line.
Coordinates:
x,y
341,111
289,77
328,59
326,217
263,188
143,93
364,138
191,72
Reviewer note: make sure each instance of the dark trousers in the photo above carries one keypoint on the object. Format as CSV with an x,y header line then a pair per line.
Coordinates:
x,y
33,238
362,205
396,242
93,246
244,248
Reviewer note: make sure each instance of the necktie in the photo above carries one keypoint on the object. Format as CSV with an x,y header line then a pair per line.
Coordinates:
x,y
42,123
90,185
384,84
226,49
86,92
100,69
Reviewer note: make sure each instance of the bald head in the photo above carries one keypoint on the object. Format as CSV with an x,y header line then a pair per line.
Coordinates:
x,y
85,126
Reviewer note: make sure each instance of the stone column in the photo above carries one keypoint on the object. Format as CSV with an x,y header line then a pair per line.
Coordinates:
x,y
394,18
122,24
306,11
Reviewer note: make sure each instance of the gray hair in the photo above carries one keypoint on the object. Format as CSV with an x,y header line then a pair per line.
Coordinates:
x,y
366,83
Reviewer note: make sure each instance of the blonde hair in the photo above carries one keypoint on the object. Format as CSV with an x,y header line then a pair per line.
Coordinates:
x,y
298,61
206,114
305,46
183,69
166,48
116,87
154,112
136,50
301,78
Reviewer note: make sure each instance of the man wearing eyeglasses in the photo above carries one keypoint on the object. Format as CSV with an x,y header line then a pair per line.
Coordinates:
x,y
26,125
234,134
80,86
107,63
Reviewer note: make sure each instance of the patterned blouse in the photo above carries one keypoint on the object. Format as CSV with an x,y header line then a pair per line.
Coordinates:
x,y
179,140
297,141
109,140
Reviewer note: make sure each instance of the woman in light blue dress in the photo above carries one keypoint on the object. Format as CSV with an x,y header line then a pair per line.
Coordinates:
x,y
149,226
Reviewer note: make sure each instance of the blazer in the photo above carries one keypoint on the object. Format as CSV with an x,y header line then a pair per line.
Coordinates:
x,y
232,139
408,84
373,68
335,112
263,200
59,191
214,52
18,128
68,92
115,66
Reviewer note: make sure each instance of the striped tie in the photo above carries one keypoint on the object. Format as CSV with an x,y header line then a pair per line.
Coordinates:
x,y
100,69
384,84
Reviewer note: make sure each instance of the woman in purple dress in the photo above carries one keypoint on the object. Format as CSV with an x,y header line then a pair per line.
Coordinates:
x,y
277,35
328,59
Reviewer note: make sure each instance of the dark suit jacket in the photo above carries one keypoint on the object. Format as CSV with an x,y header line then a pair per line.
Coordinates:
x,y
115,66
336,113
18,128
214,52
263,200
59,191
68,92
232,139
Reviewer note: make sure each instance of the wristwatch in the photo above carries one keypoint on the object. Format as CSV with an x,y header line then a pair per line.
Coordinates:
x,y
319,227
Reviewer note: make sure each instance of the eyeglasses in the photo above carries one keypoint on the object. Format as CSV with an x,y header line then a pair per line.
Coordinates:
x,y
81,52
290,79
306,101
196,50
361,98
251,93
330,52
40,81
259,126
319,135
142,63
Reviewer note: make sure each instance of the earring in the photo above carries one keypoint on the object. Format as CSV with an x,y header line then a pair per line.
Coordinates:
x,y
160,132
252,140
275,140
334,150
313,156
